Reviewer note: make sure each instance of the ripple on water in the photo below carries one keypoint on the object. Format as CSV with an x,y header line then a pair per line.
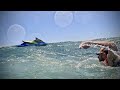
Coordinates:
x,y
54,61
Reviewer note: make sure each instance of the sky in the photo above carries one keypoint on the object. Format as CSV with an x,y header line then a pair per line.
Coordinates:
x,y
57,26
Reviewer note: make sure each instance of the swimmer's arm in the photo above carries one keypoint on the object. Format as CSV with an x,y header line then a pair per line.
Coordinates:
x,y
103,43
111,58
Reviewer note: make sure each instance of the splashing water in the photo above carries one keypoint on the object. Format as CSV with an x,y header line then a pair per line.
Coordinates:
x,y
55,61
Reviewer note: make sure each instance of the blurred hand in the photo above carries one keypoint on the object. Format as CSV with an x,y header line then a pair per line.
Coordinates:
x,y
84,45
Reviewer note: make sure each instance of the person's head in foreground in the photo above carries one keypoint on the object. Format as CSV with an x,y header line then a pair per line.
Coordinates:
x,y
102,55
107,57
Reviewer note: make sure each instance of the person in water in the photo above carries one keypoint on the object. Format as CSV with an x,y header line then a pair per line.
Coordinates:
x,y
34,41
109,57
37,40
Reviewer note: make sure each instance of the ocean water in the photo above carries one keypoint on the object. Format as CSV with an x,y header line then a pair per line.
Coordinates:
x,y
63,60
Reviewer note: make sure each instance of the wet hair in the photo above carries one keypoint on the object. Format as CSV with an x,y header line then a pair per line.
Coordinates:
x,y
106,51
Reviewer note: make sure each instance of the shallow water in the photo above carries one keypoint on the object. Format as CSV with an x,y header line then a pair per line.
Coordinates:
x,y
55,61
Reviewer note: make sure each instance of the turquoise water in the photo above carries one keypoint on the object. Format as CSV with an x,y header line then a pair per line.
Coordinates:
x,y
62,60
